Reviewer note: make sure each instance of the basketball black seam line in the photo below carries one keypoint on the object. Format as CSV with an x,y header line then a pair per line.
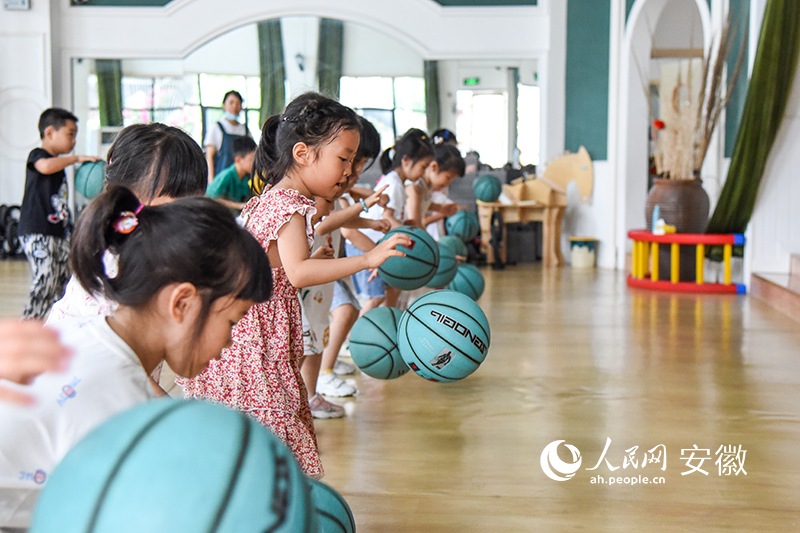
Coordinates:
x,y
407,278
385,352
450,306
393,341
118,465
332,518
338,497
378,360
434,249
471,286
442,338
244,441
414,353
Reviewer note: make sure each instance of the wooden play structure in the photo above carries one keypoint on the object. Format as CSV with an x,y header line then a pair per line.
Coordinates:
x,y
541,199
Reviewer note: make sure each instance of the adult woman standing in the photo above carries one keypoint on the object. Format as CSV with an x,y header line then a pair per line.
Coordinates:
x,y
220,137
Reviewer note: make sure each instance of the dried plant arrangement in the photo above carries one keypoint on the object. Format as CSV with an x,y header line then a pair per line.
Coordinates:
x,y
683,132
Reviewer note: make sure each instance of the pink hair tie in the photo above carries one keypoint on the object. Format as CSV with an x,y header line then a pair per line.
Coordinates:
x,y
127,221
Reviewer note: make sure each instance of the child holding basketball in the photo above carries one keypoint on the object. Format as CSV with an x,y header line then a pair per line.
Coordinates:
x,y
305,152
183,273
406,161
330,310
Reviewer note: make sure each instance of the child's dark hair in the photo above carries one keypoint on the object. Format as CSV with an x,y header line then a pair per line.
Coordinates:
x,y
443,136
311,118
414,144
194,240
56,117
447,157
369,146
242,146
157,160
237,94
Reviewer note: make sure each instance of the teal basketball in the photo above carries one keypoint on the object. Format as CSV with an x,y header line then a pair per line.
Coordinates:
x,y
169,465
468,280
373,344
487,188
333,513
463,225
90,177
443,336
419,264
447,268
454,243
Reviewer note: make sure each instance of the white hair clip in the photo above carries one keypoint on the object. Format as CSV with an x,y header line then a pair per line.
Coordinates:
x,y
110,264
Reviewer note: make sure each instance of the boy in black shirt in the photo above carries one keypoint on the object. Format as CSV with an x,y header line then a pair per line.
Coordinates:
x,y
44,212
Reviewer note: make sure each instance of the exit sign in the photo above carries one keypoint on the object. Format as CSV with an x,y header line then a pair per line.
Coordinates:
x,y
471,82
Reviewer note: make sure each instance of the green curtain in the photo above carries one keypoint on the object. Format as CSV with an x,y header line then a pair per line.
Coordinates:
x,y
329,56
273,73
432,102
767,94
109,91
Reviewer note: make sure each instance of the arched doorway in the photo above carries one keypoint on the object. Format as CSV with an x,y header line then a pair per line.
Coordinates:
x,y
672,28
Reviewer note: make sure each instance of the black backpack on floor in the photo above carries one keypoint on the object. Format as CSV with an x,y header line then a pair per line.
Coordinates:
x,y
10,244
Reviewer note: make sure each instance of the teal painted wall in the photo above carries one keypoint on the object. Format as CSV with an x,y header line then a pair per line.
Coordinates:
x,y
588,27
733,116
628,7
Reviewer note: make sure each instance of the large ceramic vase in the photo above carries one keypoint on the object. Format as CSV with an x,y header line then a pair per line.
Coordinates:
x,y
685,205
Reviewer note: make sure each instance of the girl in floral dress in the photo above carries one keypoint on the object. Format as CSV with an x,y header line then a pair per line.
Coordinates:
x,y
305,152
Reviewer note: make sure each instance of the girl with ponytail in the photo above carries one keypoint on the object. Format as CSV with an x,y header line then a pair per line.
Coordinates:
x,y
307,151
403,163
182,275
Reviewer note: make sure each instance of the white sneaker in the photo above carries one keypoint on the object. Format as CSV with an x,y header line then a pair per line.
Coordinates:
x,y
321,408
343,368
330,385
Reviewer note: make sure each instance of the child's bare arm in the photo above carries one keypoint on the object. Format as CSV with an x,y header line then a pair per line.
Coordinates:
x,y
51,165
338,219
413,205
388,214
304,271
358,239
349,216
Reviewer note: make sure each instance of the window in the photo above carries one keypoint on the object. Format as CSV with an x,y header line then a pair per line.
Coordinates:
x,y
393,105
192,102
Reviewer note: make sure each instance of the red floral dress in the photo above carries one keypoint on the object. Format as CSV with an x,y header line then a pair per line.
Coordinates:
x,y
258,374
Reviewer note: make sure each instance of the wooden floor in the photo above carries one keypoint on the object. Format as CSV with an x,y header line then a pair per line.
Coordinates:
x,y
577,356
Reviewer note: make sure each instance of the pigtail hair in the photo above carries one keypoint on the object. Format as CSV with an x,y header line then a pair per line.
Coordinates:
x,y
448,157
266,159
414,144
94,235
387,160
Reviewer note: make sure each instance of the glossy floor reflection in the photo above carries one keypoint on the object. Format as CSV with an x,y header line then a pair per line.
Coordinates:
x,y
577,356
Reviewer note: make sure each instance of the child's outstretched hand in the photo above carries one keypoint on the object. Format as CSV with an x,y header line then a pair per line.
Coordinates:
x,y
386,249
323,252
378,197
450,209
26,350
381,225
87,158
